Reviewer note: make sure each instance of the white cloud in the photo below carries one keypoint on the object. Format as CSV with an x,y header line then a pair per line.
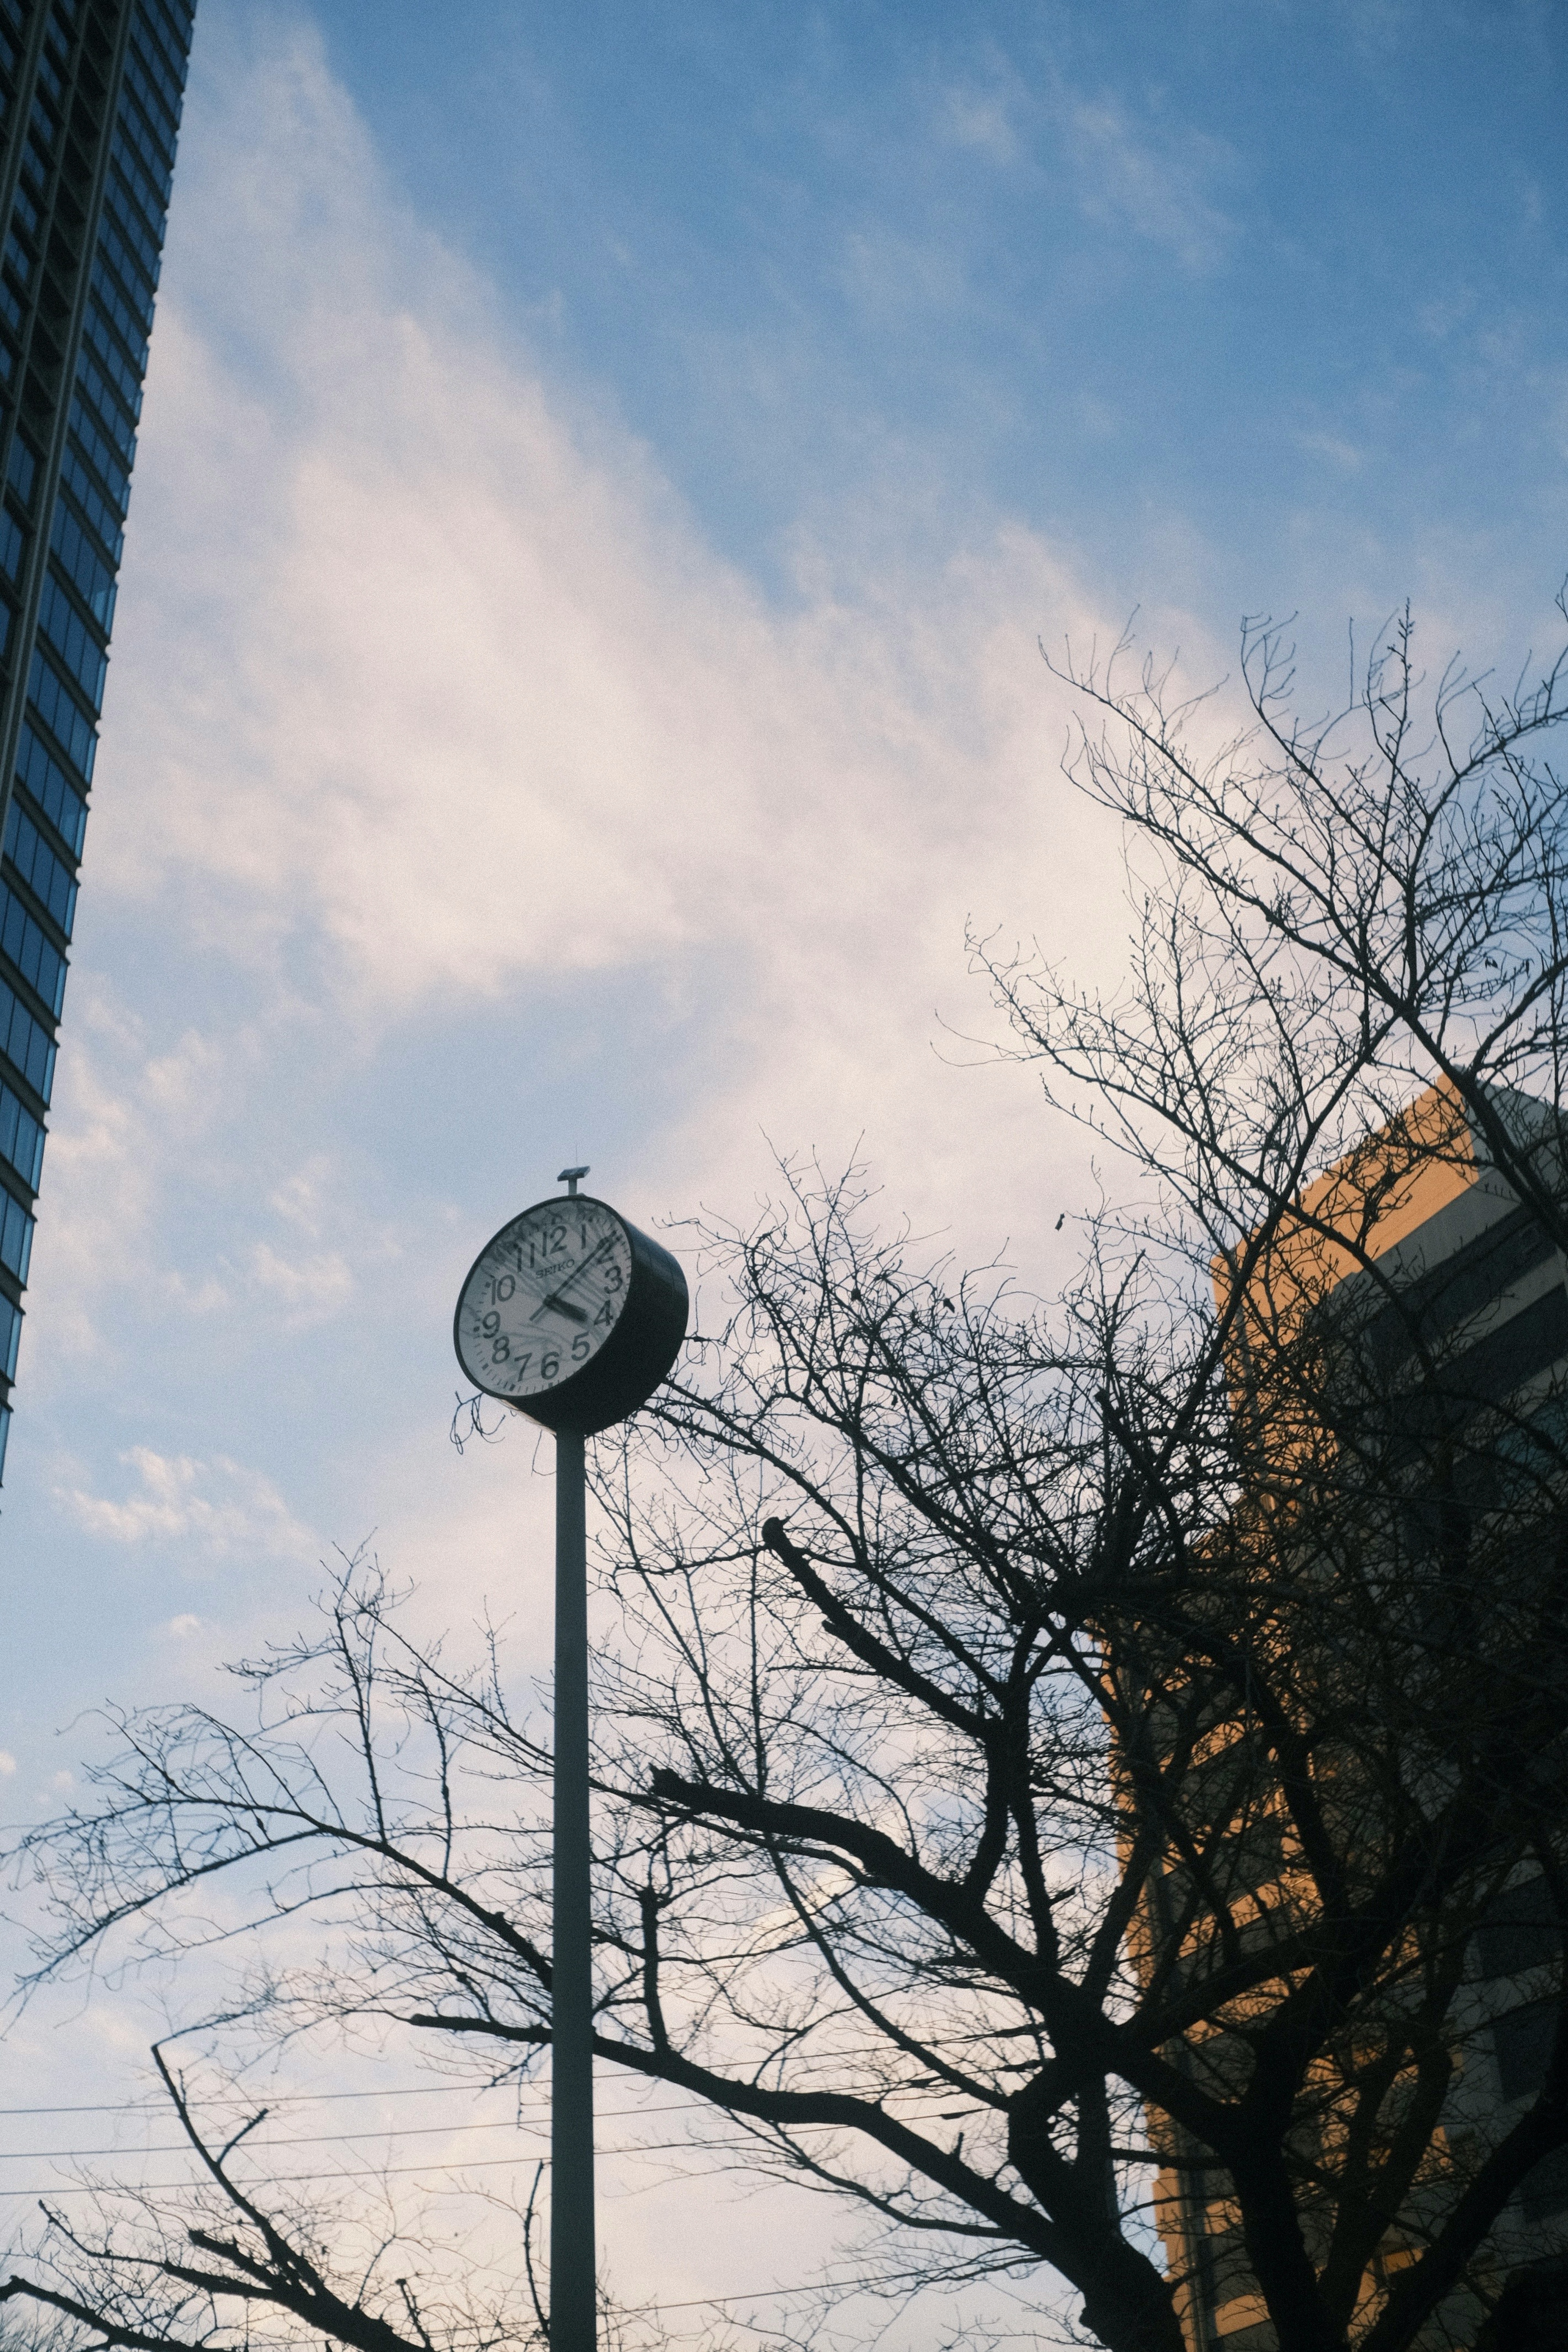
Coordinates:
x,y
892,277
8,1764
427,692
310,1287
222,1507
301,1198
431,705
431,710
1343,455
99,1187
501,711
180,1083
430,694
980,118
1161,186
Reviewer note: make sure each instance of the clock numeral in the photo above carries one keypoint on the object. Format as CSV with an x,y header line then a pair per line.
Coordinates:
x,y
606,1313
503,1286
581,1347
489,1325
550,1366
612,1276
500,1347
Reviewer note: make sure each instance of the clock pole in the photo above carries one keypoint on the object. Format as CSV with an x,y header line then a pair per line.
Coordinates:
x,y
576,1333
572,2281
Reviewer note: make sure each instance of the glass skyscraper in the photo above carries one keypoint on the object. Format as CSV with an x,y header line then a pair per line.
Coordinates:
x,y
90,92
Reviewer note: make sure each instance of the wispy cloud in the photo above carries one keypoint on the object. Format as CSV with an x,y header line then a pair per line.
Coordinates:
x,y
430,693
891,276
1160,181
1344,456
433,717
311,1288
981,117
220,1507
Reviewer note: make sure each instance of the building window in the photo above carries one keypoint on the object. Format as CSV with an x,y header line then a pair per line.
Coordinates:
x,y
21,1140
68,634
50,882
55,706
21,469
37,959
15,1237
27,1043
47,782
85,568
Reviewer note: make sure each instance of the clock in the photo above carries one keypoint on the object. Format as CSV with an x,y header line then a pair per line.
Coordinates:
x,y
571,1314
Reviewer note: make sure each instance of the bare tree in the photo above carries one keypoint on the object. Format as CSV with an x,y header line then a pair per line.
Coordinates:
x,y
1052,1764
238,2254
1329,918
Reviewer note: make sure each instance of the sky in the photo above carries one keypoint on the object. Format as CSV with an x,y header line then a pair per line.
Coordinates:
x,y
606,475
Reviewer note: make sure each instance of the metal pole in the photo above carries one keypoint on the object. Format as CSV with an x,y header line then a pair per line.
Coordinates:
x,y
571,2283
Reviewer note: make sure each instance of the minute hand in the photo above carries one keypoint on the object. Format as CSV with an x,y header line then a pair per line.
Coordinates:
x,y
557,1299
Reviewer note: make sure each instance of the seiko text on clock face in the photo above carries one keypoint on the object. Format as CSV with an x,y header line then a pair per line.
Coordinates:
x,y
544,1298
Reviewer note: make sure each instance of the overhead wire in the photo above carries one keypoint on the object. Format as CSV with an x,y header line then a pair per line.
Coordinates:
x,y
279,2099
338,2139
315,2140
344,2172
777,2293
154,2103
382,2172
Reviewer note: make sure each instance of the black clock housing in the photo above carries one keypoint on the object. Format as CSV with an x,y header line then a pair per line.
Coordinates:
x,y
635,1355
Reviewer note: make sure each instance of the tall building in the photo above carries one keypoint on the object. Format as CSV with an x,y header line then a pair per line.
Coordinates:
x,y
1451,1346
90,93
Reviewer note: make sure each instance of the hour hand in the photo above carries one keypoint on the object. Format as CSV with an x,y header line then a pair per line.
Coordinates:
x,y
556,1305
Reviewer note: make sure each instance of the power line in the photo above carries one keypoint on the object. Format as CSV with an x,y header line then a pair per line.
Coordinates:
x,y
281,2099
154,2107
348,2172
768,2293
399,2131
152,2104
338,2172
338,2139
343,2140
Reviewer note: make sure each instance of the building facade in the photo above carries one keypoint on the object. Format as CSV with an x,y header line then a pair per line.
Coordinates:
x,y
91,93
1454,1343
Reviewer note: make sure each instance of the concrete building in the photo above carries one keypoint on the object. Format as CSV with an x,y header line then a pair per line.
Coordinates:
x,y
1453,1347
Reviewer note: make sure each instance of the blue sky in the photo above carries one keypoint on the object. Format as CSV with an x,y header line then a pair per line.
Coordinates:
x,y
1285,282
605,472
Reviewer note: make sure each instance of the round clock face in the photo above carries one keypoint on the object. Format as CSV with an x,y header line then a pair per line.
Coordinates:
x,y
544,1298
